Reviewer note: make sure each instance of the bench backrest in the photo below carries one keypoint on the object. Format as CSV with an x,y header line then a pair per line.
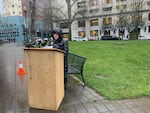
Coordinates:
x,y
76,61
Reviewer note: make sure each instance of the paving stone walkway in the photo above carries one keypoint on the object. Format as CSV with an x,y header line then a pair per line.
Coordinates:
x,y
82,99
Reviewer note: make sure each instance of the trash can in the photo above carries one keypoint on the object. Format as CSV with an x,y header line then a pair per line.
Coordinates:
x,y
45,77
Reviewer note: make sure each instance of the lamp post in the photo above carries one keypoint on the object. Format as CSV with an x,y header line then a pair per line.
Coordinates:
x,y
25,24
33,19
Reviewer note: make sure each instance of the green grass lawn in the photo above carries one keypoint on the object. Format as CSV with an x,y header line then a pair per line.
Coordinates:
x,y
116,69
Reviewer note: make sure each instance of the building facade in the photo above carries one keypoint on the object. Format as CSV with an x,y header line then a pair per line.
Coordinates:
x,y
20,19
97,19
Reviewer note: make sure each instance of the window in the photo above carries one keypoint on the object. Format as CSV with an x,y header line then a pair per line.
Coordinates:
x,y
149,17
94,22
145,29
121,32
121,0
81,23
94,33
149,29
82,4
136,5
107,2
107,21
81,33
13,6
93,2
107,33
121,7
65,35
63,25
121,19
30,4
94,10
13,12
107,9
137,18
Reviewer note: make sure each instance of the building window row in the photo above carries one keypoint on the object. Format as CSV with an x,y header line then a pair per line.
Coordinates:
x,y
135,5
9,33
8,25
93,33
92,3
121,19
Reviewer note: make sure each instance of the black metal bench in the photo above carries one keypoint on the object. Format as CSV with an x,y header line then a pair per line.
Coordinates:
x,y
75,64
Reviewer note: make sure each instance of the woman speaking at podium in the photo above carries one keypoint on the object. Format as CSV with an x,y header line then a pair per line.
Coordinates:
x,y
58,42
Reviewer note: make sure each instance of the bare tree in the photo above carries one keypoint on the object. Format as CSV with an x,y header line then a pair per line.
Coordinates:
x,y
51,15
137,21
121,24
133,20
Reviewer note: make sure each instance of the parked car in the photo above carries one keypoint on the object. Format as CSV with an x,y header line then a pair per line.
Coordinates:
x,y
6,41
79,39
144,37
110,38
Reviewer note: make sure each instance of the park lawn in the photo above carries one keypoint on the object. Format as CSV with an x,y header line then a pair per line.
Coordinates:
x,y
116,69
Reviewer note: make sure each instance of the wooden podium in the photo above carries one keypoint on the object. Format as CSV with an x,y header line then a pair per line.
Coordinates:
x,y
45,77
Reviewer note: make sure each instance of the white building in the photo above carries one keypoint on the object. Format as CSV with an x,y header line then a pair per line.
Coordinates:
x,y
11,8
22,20
109,18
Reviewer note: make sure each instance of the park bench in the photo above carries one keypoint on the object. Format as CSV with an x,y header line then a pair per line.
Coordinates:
x,y
75,64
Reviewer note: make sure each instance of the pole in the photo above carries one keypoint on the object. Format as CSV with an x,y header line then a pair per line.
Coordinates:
x,y
25,33
25,25
33,20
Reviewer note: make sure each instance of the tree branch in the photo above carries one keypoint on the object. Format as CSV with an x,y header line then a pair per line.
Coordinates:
x,y
74,1
59,9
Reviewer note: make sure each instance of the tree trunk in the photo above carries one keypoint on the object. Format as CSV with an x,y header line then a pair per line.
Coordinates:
x,y
70,33
69,18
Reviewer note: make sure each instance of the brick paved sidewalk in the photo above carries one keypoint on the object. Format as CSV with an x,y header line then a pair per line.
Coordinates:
x,y
82,99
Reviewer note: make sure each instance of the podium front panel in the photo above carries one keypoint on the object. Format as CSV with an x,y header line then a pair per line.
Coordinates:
x,y
45,78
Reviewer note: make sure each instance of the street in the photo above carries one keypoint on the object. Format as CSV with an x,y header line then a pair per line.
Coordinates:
x,y
13,90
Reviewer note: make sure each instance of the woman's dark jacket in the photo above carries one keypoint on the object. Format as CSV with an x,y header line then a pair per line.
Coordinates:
x,y
62,44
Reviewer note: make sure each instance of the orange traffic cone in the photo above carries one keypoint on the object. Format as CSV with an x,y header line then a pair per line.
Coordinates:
x,y
21,71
